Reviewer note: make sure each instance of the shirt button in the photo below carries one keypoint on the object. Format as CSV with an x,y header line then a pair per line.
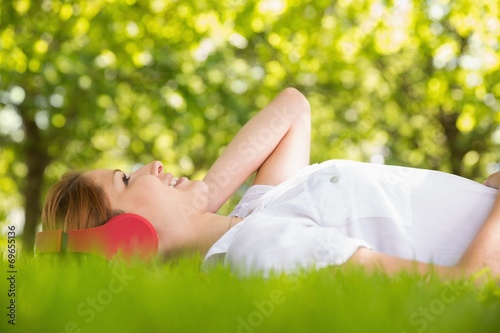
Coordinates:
x,y
334,179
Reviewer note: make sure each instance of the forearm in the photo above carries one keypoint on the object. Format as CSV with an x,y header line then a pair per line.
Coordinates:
x,y
253,144
374,261
485,248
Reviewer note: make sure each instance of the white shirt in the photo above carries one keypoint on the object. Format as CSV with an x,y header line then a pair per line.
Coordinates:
x,y
321,216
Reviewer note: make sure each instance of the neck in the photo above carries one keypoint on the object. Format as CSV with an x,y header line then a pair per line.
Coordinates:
x,y
204,230
211,228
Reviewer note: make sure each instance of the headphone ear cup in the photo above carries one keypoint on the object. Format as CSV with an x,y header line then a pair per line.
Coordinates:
x,y
127,235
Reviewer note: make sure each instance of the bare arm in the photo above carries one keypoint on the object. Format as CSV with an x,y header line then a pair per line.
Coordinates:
x,y
485,248
372,261
276,142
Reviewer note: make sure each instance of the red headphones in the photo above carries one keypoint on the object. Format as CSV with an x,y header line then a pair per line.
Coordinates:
x,y
128,235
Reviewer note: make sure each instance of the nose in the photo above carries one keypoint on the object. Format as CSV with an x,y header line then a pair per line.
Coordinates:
x,y
154,168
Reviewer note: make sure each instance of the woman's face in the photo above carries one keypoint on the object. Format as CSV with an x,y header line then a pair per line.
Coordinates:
x,y
164,200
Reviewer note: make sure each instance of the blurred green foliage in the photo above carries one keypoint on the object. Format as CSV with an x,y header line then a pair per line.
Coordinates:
x,y
116,83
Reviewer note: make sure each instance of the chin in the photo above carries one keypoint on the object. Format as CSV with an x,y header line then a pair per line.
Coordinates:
x,y
203,185
200,199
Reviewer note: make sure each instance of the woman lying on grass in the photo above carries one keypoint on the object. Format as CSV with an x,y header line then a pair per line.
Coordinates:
x,y
297,215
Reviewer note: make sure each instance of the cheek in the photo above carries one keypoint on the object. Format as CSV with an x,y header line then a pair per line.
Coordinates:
x,y
143,196
151,206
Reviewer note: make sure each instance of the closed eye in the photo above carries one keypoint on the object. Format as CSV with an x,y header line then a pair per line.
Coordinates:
x,y
125,179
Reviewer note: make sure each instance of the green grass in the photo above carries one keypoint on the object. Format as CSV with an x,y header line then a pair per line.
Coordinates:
x,y
55,295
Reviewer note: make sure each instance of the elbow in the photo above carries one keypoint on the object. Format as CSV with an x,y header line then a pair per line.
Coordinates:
x,y
297,99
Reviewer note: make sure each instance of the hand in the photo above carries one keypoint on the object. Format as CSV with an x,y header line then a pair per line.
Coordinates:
x,y
493,180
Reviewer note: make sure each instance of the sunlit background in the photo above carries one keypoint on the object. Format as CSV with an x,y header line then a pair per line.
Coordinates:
x,y
116,84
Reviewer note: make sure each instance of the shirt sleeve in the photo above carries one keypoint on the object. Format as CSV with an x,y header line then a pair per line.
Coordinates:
x,y
288,245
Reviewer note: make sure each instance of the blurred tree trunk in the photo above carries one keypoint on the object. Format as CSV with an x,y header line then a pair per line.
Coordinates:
x,y
37,158
449,123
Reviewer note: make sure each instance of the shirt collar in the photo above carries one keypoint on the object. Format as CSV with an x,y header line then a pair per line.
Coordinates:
x,y
217,252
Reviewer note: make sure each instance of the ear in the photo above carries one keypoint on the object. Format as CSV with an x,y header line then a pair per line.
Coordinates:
x,y
128,235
